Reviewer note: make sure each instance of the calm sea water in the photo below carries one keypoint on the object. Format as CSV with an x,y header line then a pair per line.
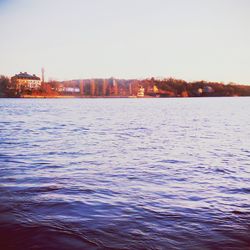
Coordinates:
x,y
125,173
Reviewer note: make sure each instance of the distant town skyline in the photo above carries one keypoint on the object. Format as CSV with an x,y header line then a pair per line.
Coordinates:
x,y
190,40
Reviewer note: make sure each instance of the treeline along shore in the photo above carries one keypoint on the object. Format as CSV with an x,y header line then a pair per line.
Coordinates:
x,y
151,87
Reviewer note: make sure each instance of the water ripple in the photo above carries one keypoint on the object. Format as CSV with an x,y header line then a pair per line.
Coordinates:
x,y
125,174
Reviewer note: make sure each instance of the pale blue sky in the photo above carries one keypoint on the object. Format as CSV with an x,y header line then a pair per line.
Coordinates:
x,y
188,39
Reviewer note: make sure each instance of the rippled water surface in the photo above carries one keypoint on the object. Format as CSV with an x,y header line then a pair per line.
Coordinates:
x,y
125,173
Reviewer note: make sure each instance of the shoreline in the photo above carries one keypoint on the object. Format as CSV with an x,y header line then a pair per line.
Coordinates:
x,y
84,97
107,97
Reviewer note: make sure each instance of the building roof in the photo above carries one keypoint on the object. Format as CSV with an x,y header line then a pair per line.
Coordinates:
x,y
25,75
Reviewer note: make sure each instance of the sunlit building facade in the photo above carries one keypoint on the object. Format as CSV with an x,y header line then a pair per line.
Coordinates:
x,y
26,81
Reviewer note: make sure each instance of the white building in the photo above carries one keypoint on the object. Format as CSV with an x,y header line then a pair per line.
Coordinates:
x,y
140,92
26,81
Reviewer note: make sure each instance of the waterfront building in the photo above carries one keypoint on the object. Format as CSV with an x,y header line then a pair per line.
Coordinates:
x,y
140,92
155,89
26,81
71,90
208,89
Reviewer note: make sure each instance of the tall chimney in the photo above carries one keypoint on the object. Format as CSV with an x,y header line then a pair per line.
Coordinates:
x,y
43,75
